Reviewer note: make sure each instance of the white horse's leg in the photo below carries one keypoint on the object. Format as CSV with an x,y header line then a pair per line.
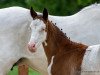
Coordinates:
x,y
4,68
3,71
2,74
6,63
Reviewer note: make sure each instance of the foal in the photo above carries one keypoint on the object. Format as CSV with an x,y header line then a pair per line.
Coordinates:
x,y
64,56
67,56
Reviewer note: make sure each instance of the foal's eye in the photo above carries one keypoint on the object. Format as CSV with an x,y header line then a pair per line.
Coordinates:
x,y
43,29
30,28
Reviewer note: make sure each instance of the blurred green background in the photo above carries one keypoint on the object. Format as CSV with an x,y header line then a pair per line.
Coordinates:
x,y
55,7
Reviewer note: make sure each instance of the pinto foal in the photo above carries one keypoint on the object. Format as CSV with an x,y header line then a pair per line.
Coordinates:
x,y
67,56
64,56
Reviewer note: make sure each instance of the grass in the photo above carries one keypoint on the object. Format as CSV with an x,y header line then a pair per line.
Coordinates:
x,y
15,72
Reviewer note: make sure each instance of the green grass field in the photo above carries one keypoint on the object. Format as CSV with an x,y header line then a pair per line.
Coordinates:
x,y
15,72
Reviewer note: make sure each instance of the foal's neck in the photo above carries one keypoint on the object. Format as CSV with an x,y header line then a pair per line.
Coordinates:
x,y
57,42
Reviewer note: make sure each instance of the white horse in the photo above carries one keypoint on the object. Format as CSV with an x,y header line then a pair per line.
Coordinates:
x,y
14,36
85,24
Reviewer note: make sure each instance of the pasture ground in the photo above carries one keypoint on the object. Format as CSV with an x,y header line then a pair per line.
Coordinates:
x,y
15,72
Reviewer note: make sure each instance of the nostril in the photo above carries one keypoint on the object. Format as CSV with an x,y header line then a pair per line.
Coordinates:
x,y
33,45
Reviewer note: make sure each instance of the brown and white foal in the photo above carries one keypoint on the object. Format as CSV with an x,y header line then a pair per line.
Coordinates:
x,y
64,56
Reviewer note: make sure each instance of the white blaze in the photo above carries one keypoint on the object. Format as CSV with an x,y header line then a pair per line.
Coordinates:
x,y
38,35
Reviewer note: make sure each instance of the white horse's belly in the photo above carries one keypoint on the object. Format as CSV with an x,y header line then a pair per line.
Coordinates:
x,y
81,27
91,73
91,61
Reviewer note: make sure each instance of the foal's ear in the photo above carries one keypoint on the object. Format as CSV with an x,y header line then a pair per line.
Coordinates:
x,y
45,14
33,13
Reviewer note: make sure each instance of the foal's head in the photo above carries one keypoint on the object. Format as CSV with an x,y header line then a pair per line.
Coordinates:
x,y
39,29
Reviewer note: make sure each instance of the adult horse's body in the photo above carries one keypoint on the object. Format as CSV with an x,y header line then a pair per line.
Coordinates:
x,y
14,36
65,57
85,23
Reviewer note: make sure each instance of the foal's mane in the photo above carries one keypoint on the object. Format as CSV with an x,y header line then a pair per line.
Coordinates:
x,y
60,38
52,28
56,33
